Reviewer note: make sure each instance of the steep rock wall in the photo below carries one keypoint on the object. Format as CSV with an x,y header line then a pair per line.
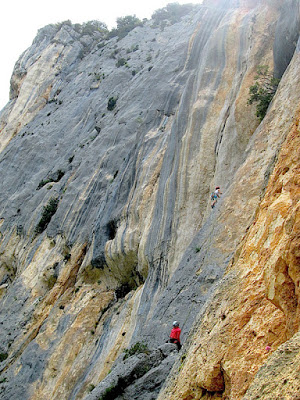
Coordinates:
x,y
256,307
133,243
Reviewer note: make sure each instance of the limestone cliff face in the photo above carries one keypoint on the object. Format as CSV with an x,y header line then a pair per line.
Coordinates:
x,y
107,234
256,306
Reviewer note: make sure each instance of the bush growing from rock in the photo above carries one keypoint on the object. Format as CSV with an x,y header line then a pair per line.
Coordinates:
x,y
3,356
48,211
55,178
263,91
88,28
172,13
112,392
137,348
121,62
124,26
112,102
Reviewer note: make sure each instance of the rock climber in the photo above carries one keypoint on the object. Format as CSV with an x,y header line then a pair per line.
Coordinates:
x,y
215,195
175,335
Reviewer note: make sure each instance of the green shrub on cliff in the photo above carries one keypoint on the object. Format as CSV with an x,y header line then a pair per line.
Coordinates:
x,y
121,62
112,392
48,211
263,91
124,26
172,13
55,178
88,28
112,102
137,348
3,356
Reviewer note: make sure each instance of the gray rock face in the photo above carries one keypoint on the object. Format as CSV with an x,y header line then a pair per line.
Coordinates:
x,y
286,37
128,138
139,376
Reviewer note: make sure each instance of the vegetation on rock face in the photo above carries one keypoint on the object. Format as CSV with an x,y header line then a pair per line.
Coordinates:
x,y
3,356
263,91
55,178
124,26
113,391
168,15
87,28
48,211
172,13
112,102
137,348
121,62
91,387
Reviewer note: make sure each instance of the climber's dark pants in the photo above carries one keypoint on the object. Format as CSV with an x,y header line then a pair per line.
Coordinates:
x,y
175,341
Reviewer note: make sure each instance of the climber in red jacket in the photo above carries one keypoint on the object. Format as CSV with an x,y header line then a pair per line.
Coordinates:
x,y
175,335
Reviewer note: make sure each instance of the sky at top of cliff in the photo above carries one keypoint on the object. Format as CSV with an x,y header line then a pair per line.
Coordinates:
x,y
21,20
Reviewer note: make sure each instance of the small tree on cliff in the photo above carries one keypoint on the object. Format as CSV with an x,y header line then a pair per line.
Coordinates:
x,y
124,26
263,91
88,28
172,12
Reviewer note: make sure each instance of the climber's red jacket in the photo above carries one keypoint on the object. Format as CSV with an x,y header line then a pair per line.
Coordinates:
x,y
175,334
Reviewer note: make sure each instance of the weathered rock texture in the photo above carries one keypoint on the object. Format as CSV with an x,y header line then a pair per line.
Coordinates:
x,y
256,304
131,243
139,376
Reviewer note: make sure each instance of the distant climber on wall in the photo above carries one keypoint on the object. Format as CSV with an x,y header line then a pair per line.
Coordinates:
x,y
214,196
175,335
